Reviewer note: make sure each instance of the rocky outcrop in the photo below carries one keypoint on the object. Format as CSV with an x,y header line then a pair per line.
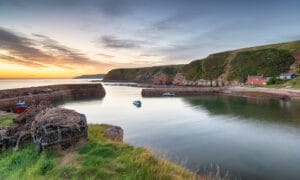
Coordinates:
x,y
9,97
114,133
162,79
180,80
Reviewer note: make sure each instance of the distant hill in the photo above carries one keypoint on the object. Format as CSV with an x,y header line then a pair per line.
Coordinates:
x,y
90,76
223,68
141,75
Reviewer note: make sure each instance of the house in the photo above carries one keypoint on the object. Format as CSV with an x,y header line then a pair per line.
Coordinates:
x,y
287,76
257,80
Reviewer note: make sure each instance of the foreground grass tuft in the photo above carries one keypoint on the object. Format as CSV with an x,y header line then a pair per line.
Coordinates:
x,y
6,120
98,159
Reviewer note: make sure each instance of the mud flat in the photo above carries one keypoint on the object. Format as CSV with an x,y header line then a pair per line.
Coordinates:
x,y
267,93
9,97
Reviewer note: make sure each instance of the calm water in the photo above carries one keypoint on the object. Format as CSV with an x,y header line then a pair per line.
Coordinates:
x,y
250,139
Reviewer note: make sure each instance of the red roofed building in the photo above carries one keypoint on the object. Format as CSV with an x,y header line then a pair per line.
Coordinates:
x,y
257,80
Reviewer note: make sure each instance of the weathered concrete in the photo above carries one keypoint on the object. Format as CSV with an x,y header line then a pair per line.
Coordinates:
x,y
9,97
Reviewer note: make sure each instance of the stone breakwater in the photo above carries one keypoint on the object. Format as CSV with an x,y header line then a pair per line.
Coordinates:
x,y
182,91
9,97
265,93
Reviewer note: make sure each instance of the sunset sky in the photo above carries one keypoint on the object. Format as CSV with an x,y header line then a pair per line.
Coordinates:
x,y
65,38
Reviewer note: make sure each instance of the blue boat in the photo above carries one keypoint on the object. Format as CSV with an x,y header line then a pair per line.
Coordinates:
x,y
137,103
21,107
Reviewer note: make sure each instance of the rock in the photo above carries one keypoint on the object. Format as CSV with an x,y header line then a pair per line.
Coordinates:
x,y
114,133
162,79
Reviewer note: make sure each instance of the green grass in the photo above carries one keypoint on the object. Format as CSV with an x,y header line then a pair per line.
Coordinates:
x,y
6,120
267,60
264,62
141,74
98,159
295,83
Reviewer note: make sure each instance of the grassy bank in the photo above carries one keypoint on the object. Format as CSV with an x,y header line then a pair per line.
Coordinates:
x,y
293,84
98,159
6,120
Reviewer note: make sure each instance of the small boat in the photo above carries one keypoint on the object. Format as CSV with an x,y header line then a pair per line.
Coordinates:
x,y
168,94
137,103
21,107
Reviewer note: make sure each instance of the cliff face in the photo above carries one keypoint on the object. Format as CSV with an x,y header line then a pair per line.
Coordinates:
x,y
9,97
156,75
220,69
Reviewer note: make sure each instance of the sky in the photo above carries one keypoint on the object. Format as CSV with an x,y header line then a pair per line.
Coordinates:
x,y
66,38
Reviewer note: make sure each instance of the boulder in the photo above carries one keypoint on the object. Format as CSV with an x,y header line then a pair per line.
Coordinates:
x,y
114,133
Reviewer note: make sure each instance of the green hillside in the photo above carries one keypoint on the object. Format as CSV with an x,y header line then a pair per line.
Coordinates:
x,y
141,74
267,60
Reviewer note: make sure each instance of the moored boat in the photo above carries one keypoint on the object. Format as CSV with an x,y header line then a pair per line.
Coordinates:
x,y
168,94
137,103
21,107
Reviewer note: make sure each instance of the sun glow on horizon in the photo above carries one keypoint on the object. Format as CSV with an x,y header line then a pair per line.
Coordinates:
x,y
19,71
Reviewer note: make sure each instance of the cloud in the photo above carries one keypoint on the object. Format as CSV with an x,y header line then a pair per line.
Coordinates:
x,y
13,60
105,55
113,42
42,51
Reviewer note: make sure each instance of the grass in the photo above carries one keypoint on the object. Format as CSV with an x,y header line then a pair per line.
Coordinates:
x,y
98,159
295,83
141,74
6,120
265,62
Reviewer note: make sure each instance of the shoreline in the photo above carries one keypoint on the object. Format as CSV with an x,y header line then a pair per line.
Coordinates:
x,y
258,92
104,146
9,97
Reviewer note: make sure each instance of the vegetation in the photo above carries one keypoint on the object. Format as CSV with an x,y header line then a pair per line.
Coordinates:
x,y
293,84
6,120
265,62
214,65
268,60
98,159
141,74
193,70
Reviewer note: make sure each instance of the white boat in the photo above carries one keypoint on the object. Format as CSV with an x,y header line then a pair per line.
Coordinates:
x,y
169,94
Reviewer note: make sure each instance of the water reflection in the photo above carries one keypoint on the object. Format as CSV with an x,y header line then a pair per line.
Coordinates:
x,y
251,139
249,108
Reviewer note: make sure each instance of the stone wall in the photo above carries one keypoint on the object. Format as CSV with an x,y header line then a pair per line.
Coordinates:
x,y
180,80
9,97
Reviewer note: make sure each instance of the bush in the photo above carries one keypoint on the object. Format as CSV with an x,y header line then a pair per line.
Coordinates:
x,y
274,80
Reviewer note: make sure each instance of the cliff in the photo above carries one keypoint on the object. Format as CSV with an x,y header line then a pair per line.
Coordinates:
x,y
224,68
156,74
9,97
